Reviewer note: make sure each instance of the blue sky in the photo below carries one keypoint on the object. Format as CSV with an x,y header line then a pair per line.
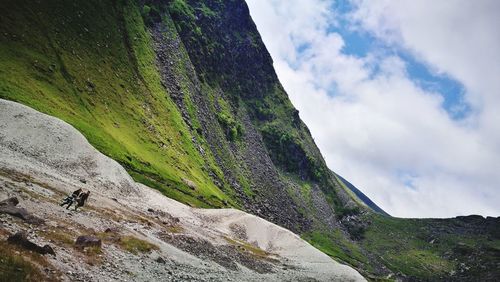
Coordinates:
x,y
401,97
360,43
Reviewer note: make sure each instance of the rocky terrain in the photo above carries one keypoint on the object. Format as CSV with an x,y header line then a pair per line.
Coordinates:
x,y
127,231
180,96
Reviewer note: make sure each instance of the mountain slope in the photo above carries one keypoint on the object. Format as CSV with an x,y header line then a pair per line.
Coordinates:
x,y
92,65
184,96
176,126
137,244
367,201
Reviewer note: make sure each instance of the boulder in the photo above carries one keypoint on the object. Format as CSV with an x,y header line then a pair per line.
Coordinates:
x,y
87,241
21,239
15,211
8,206
13,201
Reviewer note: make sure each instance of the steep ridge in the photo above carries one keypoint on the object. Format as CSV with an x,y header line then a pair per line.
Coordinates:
x,y
211,135
367,201
183,95
54,159
273,149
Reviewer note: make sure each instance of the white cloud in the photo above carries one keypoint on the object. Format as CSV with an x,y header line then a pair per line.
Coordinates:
x,y
456,37
380,130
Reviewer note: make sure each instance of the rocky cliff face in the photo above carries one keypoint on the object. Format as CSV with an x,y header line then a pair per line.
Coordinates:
x,y
184,96
231,99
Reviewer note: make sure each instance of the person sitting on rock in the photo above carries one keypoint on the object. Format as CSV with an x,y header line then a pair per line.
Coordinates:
x,y
81,199
71,198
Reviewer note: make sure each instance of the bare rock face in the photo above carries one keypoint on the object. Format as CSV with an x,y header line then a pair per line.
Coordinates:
x,y
87,241
21,239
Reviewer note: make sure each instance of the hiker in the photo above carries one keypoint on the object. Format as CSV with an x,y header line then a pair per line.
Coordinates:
x,y
81,199
71,198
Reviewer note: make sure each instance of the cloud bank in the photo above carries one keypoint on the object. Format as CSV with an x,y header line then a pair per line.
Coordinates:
x,y
375,123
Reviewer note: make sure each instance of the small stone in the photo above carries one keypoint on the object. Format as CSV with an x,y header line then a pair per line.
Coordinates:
x,y
48,250
160,260
110,230
88,241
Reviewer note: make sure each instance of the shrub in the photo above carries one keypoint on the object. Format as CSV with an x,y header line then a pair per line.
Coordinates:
x,y
287,150
150,14
232,128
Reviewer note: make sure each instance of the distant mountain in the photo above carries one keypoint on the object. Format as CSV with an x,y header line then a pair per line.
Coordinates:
x,y
362,196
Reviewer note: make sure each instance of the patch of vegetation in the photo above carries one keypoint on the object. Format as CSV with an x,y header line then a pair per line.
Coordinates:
x,y
417,249
16,266
150,14
182,9
343,211
93,250
287,150
334,244
111,237
399,247
131,243
232,127
185,16
306,191
92,255
249,248
206,11
135,245
58,236
175,229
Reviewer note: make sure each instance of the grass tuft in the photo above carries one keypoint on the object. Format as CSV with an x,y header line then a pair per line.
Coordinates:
x,y
135,245
16,266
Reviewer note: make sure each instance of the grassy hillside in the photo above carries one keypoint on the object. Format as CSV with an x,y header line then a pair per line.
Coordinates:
x,y
463,248
91,64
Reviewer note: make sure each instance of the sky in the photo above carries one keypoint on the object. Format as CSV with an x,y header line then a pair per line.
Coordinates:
x,y
402,97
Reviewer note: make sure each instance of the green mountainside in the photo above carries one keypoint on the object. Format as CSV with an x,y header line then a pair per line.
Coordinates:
x,y
183,94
